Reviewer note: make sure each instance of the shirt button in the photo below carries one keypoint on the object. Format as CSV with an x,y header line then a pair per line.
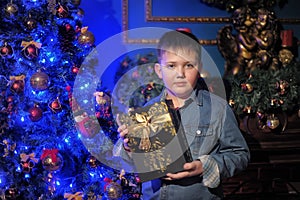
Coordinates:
x,y
198,132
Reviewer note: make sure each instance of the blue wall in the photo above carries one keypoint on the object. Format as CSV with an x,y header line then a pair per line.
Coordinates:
x,y
104,19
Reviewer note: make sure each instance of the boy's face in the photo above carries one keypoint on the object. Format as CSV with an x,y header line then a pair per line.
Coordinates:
x,y
179,72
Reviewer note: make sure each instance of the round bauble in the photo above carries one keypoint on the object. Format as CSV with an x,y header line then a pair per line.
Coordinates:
x,y
39,81
6,51
86,38
30,23
35,113
12,193
62,11
31,51
52,165
11,10
113,191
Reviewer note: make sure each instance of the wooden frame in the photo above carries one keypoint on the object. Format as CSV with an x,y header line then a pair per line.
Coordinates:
x,y
196,19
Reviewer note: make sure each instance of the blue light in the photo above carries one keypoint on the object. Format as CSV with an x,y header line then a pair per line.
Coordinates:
x,y
27,175
22,119
71,185
67,140
52,59
18,169
92,174
57,183
85,101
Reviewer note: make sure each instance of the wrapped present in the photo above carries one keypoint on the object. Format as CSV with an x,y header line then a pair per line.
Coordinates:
x,y
157,147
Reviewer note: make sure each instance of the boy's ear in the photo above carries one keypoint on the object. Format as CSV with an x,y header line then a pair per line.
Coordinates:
x,y
158,70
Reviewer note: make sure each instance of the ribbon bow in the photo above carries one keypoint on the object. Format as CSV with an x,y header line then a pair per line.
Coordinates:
x,y
76,196
26,44
148,122
50,152
24,157
84,29
107,182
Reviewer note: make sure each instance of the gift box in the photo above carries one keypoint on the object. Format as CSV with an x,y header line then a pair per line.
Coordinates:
x,y
157,147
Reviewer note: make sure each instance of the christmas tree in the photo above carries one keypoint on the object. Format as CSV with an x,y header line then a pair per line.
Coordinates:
x,y
42,47
261,66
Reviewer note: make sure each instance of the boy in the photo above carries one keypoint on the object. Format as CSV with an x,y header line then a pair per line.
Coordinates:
x,y
217,145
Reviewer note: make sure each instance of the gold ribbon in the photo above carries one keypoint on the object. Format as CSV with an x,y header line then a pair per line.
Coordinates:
x,y
76,196
24,157
145,125
84,29
26,44
17,78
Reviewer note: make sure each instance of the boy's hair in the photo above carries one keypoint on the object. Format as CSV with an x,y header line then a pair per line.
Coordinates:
x,y
173,40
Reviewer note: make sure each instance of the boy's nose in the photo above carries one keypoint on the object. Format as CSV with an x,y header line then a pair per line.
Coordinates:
x,y
180,72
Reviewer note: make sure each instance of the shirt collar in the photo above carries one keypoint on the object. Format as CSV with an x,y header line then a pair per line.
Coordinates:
x,y
196,96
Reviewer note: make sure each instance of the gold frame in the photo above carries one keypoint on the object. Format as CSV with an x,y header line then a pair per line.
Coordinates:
x,y
151,18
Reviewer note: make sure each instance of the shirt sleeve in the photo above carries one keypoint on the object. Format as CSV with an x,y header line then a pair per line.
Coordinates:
x,y
211,173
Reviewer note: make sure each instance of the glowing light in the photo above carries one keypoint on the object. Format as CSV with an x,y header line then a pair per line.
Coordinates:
x,y
22,119
67,140
18,169
57,183
27,175
85,101
92,174
52,59
71,185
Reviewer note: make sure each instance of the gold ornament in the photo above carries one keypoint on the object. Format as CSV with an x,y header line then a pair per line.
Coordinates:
x,y
39,81
113,191
246,87
52,162
86,37
92,161
285,57
11,10
273,122
102,98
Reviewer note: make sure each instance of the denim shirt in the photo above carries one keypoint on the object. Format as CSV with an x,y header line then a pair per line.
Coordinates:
x,y
212,131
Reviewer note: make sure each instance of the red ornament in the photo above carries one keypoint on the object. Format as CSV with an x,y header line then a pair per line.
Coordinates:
x,y
75,69
51,160
62,11
6,51
55,106
31,51
35,113
286,38
17,83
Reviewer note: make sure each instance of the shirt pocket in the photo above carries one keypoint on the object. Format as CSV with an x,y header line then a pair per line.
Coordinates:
x,y
197,135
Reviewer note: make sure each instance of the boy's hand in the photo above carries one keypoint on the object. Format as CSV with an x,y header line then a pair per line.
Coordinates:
x,y
123,132
190,169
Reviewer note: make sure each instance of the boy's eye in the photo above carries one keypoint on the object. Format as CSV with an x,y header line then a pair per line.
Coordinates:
x,y
171,66
189,65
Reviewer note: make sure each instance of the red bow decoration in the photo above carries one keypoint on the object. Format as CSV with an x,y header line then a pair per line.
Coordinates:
x,y
50,152
107,181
